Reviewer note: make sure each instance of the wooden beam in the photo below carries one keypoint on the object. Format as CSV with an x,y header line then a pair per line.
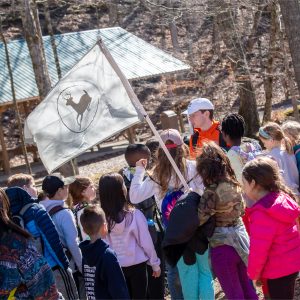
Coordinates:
x,y
5,157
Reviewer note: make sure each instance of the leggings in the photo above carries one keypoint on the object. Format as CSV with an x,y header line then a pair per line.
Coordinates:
x,y
283,287
136,280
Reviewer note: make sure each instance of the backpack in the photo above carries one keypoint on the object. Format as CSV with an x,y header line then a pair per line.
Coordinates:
x,y
248,150
19,220
169,202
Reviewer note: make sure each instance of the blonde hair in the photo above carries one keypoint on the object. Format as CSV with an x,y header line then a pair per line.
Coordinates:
x,y
274,131
292,128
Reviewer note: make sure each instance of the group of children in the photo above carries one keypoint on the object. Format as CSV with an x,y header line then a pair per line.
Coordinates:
x,y
243,208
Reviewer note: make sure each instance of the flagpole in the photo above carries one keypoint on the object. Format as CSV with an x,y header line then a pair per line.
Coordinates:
x,y
141,109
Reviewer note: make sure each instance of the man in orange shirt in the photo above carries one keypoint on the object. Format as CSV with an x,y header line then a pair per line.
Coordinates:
x,y
200,113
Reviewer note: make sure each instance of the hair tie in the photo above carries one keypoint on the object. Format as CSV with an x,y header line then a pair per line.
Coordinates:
x,y
264,134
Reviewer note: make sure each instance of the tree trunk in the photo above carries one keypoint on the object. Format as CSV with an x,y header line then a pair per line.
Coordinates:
x,y
230,35
24,150
247,100
174,36
291,17
50,31
289,79
113,13
33,36
268,82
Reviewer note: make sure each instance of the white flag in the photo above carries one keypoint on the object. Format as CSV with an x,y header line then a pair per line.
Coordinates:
x,y
88,105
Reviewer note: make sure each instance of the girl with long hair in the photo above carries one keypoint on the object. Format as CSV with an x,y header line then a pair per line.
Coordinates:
x,y
24,273
81,192
229,244
193,279
274,239
128,235
280,148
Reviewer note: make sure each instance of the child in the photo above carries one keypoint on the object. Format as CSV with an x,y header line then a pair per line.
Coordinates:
x,y
274,240
128,235
272,137
24,273
241,149
133,153
82,192
34,218
23,181
56,189
103,276
292,130
162,184
153,146
229,244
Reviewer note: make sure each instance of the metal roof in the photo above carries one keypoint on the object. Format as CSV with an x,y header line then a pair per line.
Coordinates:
x,y
135,57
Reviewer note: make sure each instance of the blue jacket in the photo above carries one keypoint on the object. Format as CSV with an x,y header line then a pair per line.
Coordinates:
x,y
38,222
103,275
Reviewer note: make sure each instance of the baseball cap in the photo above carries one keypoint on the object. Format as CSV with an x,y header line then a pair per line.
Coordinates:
x,y
198,104
53,182
172,135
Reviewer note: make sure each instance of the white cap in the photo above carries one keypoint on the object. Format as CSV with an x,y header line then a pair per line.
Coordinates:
x,y
198,104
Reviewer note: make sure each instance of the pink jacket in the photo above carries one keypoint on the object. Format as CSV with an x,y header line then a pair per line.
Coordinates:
x,y
132,242
274,237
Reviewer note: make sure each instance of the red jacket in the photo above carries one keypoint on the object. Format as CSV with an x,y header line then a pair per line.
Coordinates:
x,y
274,237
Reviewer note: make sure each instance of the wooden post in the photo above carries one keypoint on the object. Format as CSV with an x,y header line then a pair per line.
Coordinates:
x,y
131,135
5,157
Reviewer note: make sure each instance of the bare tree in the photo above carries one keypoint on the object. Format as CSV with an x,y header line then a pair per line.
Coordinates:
x,y
226,19
291,17
268,81
33,36
15,103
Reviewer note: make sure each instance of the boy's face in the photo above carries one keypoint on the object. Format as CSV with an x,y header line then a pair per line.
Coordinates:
x,y
31,189
133,158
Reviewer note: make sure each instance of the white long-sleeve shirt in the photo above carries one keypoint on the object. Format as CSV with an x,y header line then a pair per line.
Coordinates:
x,y
141,190
66,227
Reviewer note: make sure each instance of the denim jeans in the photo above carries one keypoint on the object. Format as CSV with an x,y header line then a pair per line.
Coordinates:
x,y
174,282
196,280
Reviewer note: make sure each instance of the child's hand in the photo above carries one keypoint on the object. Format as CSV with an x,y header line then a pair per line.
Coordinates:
x,y
257,283
142,163
156,274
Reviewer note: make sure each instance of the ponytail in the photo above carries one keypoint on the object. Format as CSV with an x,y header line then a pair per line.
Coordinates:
x,y
288,145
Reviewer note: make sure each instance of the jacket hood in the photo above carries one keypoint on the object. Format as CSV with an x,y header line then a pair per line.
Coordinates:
x,y
93,252
279,206
18,197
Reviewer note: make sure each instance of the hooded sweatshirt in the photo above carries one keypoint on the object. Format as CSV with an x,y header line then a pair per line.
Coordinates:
x,y
38,222
132,242
66,227
102,273
274,237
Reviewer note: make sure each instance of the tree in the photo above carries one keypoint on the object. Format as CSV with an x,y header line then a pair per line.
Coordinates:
x,y
33,36
226,20
291,17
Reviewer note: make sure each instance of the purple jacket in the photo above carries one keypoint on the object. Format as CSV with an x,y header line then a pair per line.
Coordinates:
x,y
132,242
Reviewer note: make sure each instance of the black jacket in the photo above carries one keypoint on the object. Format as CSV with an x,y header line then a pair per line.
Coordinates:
x,y
183,236
102,273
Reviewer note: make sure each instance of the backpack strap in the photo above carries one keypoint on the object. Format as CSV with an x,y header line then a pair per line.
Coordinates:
x,y
25,208
75,212
55,210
